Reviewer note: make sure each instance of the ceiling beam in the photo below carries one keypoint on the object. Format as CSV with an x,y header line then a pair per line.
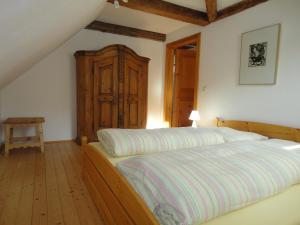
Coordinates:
x,y
238,7
211,8
127,31
167,9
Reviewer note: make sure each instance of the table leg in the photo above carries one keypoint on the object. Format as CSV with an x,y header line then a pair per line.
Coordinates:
x,y
41,136
7,138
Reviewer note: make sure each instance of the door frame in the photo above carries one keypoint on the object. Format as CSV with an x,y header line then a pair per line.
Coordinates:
x,y
168,86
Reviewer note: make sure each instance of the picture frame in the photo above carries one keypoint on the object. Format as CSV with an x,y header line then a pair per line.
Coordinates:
x,y
259,56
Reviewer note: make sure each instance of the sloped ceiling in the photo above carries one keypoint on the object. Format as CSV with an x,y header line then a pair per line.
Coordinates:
x,y
31,29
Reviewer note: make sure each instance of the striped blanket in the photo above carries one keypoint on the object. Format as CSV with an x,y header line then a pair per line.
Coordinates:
x,y
189,187
126,142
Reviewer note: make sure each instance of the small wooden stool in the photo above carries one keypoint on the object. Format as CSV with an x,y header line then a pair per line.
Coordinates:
x,y
24,142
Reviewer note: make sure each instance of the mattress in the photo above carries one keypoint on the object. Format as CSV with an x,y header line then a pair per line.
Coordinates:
x,y
281,209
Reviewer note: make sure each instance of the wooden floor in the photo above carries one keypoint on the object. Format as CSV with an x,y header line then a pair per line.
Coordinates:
x,y
45,188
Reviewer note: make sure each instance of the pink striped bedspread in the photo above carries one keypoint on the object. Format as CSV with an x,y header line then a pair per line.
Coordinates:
x,y
189,187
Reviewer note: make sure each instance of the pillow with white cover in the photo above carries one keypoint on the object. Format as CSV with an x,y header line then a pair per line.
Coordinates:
x,y
283,144
125,142
231,135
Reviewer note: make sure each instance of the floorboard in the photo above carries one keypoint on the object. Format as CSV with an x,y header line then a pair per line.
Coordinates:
x,y
45,189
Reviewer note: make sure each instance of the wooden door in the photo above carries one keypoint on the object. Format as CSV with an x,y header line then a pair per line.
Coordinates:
x,y
135,93
184,87
105,93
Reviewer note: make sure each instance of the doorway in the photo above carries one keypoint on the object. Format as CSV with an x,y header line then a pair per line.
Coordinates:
x,y
181,80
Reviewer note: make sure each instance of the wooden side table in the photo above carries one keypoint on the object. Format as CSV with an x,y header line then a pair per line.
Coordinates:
x,y
24,142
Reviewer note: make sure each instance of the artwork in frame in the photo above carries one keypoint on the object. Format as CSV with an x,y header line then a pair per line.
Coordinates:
x,y
259,56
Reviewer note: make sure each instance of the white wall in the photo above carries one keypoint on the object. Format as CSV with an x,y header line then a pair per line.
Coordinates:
x,y
219,67
49,88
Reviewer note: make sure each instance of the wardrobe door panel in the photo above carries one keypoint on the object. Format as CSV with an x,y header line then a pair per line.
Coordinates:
x,y
133,97
105,93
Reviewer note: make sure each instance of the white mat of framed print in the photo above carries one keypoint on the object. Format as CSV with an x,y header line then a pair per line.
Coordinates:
x,y
259,55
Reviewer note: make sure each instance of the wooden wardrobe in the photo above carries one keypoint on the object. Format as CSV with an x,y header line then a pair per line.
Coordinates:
x,y
111,90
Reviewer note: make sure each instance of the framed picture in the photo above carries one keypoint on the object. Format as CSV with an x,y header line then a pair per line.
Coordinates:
x,y
259,56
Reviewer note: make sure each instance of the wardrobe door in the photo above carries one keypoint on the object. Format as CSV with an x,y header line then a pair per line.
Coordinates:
x,y
105,93
135,93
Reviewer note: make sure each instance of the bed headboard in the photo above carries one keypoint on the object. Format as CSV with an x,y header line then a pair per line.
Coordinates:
x,y
269,130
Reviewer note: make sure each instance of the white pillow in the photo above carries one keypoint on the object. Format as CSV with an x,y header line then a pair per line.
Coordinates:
x,y
125,142
283,144
231,135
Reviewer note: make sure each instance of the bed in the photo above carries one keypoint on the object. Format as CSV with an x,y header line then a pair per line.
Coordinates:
x,y
118,202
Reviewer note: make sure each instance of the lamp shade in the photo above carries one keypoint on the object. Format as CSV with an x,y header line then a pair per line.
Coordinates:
x,y
194,115
166,124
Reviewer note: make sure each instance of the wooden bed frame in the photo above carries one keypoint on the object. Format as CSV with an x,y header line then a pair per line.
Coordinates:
x,y
269,130
116,200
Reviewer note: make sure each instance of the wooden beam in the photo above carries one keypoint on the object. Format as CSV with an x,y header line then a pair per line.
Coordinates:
x,y
238,7
127,31
167,9
211,7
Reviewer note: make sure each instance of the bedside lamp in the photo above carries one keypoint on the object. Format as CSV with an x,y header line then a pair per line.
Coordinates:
x,y
166,124
195,116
